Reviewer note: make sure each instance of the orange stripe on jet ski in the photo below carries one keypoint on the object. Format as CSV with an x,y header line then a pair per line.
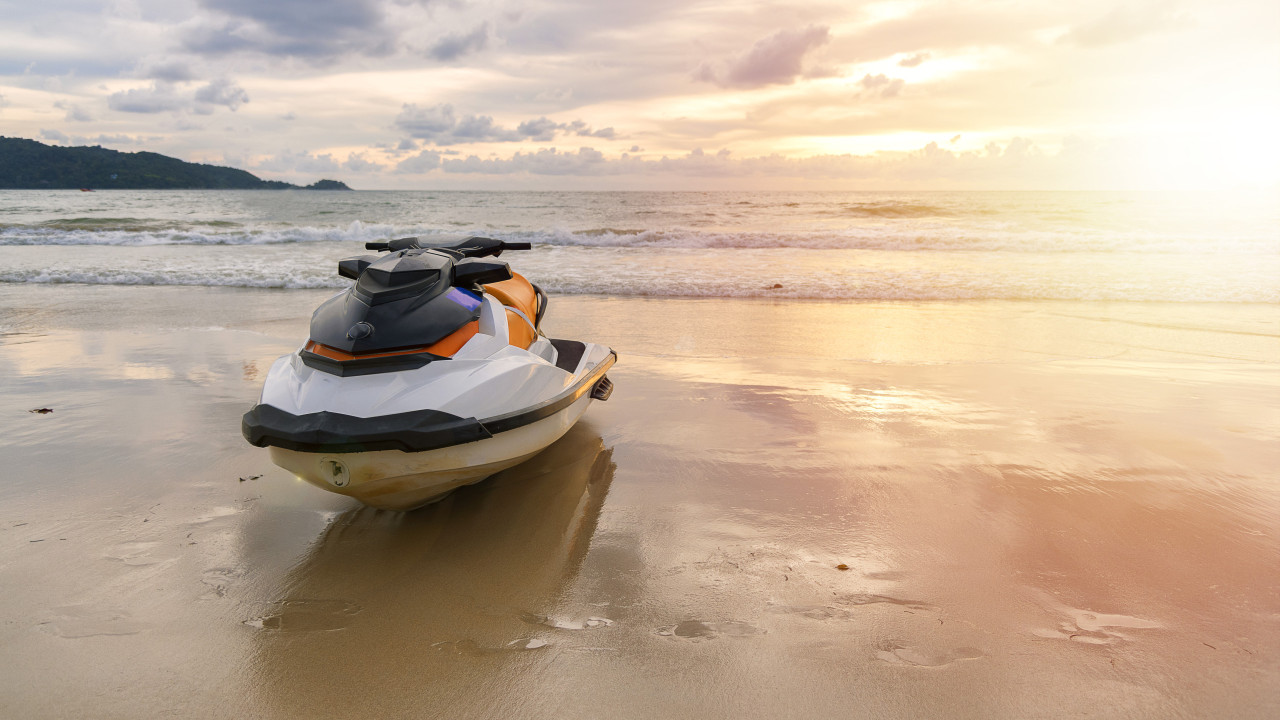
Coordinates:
x,y
451,344
517,293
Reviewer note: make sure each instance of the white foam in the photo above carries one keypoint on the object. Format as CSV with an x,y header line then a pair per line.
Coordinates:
x,y
894,238
709,278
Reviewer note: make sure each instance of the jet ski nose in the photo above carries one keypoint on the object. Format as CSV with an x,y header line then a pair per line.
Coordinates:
x,y
398,276
395,271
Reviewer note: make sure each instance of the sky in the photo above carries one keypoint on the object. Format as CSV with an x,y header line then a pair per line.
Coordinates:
x,y
663,94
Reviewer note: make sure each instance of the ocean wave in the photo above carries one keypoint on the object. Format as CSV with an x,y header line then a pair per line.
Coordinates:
x,y
936,238
178,278
898,240
133,232
865,288
128,224
897,210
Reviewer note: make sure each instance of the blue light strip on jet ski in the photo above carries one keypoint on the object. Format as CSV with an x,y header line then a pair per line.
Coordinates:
x,y
463,298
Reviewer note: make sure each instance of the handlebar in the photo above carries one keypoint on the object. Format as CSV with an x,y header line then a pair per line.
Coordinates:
x,y
469,246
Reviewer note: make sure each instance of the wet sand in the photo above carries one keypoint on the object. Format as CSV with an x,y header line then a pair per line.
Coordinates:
x,y
1046,510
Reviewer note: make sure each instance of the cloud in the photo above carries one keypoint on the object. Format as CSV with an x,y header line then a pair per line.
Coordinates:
x,y
996,163
441,126
301,162
220,92
358,163
164,97
914,60
102,139
545,130
169,71
455,45
480,128
75,113
1126,23
881,85
117,139
541,129
424,161
3,102
160,97
547,161
426,123
317,30
776,60
579,128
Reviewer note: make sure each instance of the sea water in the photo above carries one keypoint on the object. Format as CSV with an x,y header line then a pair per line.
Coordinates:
x,y
822,245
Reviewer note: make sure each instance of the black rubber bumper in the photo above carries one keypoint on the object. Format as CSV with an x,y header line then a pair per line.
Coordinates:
x,y
334,432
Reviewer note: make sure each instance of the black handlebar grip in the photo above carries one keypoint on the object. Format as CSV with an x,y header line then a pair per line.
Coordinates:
x,y
516,246
377,246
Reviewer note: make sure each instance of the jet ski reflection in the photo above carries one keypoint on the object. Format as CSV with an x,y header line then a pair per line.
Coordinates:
x,y
470,574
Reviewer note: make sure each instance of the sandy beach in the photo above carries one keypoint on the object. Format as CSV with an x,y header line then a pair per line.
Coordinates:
x,y
1045,509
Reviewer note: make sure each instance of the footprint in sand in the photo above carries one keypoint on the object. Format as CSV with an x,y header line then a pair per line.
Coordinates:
x,y
137,554
213,514
1093,628
914,657
566,623
80,621
702,630
469,647
218,580
306,616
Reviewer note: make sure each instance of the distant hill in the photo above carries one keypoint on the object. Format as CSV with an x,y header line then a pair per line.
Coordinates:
x,y
27,165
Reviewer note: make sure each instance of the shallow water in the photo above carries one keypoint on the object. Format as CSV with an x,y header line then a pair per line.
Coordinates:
x,y
1044,509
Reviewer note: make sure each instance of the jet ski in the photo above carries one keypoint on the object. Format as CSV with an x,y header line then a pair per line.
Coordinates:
x,y
429,373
